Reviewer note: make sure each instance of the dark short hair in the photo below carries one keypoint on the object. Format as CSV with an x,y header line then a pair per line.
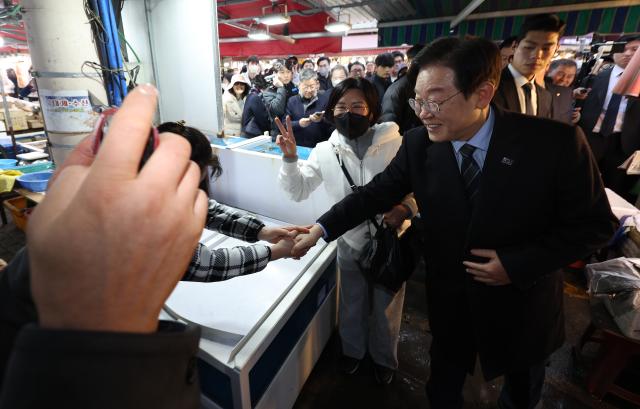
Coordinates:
x,y
280,64
259,82
508,42
253,59
473,61
201,152
398,54
413,51
549,23
323,59
562,62
364,85
307,61
384,60
356,63
293,59
627,38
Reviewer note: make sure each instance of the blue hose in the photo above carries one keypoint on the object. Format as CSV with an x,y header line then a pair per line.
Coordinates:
x,y
120,78
102,50
114,59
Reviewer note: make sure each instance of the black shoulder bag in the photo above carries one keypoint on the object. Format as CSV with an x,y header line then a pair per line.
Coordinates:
x,y
392,258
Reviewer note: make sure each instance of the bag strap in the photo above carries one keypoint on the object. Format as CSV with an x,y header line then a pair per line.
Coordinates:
x,y
353,186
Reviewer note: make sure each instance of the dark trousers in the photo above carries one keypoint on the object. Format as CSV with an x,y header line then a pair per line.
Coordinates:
x,y
521,389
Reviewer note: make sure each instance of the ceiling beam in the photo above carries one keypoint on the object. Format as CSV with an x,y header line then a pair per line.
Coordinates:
x,y
465,12
302,36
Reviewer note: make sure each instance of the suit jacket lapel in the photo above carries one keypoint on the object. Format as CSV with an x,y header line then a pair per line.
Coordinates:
x,y
544,102
509,91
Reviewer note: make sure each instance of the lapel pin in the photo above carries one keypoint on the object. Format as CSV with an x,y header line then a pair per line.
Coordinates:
x,y
507,161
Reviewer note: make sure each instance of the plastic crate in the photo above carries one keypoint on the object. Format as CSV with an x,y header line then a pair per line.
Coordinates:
x,y
19,211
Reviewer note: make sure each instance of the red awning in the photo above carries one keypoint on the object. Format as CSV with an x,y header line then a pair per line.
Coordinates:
x,y
313,23
276,48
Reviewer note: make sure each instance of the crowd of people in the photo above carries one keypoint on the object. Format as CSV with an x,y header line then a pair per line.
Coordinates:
x,y
494,152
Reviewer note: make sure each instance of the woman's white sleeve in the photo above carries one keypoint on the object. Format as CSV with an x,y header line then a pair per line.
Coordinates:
x,y
299,179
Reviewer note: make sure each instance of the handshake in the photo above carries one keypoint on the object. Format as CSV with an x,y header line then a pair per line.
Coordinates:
x,y
291,241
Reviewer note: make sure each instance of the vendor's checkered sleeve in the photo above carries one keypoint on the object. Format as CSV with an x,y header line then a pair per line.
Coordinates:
x,y
225,263
232,222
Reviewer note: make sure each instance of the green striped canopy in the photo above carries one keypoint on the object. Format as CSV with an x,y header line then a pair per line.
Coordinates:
x,y
605,21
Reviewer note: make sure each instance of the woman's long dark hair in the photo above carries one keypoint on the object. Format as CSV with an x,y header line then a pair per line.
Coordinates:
x,y
201,152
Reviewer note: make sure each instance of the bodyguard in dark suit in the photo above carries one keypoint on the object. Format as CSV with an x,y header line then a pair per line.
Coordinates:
x,y
506,200
507,96
612,122
537,43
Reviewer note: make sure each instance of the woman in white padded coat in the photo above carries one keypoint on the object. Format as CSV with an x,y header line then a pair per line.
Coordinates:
x,y
233,104
366,149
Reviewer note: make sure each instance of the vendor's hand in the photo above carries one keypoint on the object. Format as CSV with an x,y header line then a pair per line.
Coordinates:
x,y
282,249
275,234
97,262
305,241
581,93
394,217
492,272
286,140
304,122
317,117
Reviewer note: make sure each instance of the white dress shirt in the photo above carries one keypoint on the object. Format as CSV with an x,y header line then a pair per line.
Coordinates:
x,y
520,80
616,72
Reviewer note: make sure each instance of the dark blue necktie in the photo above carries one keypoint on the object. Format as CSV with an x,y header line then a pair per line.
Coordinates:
x,y
470,171
610,117
528,104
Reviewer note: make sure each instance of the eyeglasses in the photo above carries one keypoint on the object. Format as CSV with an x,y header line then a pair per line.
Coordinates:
x,y
431,106
102,126
359,109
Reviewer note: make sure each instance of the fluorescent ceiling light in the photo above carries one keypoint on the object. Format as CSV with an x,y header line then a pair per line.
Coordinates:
x,y
337,26
258,35
275,19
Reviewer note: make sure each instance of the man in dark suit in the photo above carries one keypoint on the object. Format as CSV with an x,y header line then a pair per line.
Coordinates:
x,y
537,43
506,200
307,110
612,122
382,75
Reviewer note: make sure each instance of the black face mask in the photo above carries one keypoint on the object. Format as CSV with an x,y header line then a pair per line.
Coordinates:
x,y
351,125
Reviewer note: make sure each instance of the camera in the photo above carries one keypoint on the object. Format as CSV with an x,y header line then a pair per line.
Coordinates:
x,y
608,48
269,79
